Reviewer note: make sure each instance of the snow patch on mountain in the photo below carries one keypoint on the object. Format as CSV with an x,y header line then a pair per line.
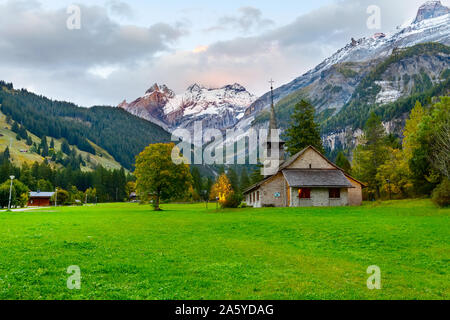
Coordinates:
x,y
218,108
388,93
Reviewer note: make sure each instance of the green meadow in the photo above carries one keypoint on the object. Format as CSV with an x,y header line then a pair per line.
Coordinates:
x,y
127,251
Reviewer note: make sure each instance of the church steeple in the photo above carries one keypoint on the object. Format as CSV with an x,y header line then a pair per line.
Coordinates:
x,y
273,119
273,157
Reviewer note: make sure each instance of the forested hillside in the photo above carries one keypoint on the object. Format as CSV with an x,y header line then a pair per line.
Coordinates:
x,y
418,86
26,148
118,132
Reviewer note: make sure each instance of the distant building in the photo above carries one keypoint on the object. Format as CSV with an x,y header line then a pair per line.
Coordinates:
x,y
40,199
379,35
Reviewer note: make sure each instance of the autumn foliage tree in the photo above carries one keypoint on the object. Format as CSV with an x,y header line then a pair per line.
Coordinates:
x,y
161,174
223,190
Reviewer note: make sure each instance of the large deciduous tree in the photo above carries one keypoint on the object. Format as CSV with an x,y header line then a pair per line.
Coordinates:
x,y
303,131
160,177
440,153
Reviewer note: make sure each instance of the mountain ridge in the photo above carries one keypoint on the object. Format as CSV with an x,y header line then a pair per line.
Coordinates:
x,y
218,108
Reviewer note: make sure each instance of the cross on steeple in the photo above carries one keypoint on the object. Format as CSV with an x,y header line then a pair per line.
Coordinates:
x,y
273,121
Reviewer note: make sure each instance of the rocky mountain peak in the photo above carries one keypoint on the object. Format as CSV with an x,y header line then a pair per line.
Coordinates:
x,y
123,104
160,89
235,87
431,9
195,87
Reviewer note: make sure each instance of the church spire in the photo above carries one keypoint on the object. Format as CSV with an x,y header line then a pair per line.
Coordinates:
x,y
273,159
273,120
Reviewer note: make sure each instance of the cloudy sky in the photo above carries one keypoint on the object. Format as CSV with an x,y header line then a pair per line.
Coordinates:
x,y
123,47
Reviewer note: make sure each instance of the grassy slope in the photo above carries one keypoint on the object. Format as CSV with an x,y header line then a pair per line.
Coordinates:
x,y
126,251
106,160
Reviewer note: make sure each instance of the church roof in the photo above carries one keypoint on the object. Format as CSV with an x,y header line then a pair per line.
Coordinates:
x,y
315,178
284,166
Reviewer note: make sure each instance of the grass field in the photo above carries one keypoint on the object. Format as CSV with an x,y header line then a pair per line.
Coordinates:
x,y
126,251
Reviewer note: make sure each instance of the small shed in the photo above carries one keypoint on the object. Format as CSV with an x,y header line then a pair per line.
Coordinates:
x,y
40,199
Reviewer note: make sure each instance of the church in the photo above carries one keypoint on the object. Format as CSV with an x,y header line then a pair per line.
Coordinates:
x,y
307,179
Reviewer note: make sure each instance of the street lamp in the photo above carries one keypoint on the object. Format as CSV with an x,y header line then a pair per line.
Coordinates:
x,y
56,197
10,192
389,184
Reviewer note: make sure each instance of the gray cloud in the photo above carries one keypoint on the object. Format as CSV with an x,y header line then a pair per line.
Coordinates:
x,y
248,19
38,52
39,38
119,8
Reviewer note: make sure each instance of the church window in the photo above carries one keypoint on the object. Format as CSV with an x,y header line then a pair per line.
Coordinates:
x,y
335,193
304,193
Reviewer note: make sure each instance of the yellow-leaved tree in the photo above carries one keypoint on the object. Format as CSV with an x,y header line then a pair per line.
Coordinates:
x,y
221,189
160,174
410,140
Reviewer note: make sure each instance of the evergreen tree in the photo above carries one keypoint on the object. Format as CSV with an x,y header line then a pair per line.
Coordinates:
x,y
52,144
44,147
303,131
6,154
245,180
26,177
234,180
29,141
65,148
15,127
197,181
256,175
342,162
371,154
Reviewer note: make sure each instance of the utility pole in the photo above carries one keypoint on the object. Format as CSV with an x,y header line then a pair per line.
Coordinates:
x,y
56,197
10,192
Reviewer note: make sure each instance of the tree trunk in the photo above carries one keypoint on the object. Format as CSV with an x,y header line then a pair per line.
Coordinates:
x,y
156,203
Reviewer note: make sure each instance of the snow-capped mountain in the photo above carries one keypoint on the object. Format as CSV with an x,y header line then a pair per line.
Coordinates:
x,y
432,24
218,108
431,9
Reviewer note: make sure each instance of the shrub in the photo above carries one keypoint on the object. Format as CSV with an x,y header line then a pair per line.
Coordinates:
x,y
233,200
441,195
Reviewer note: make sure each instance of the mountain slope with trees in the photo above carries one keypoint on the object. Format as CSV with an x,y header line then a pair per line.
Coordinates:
x,y
113,129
